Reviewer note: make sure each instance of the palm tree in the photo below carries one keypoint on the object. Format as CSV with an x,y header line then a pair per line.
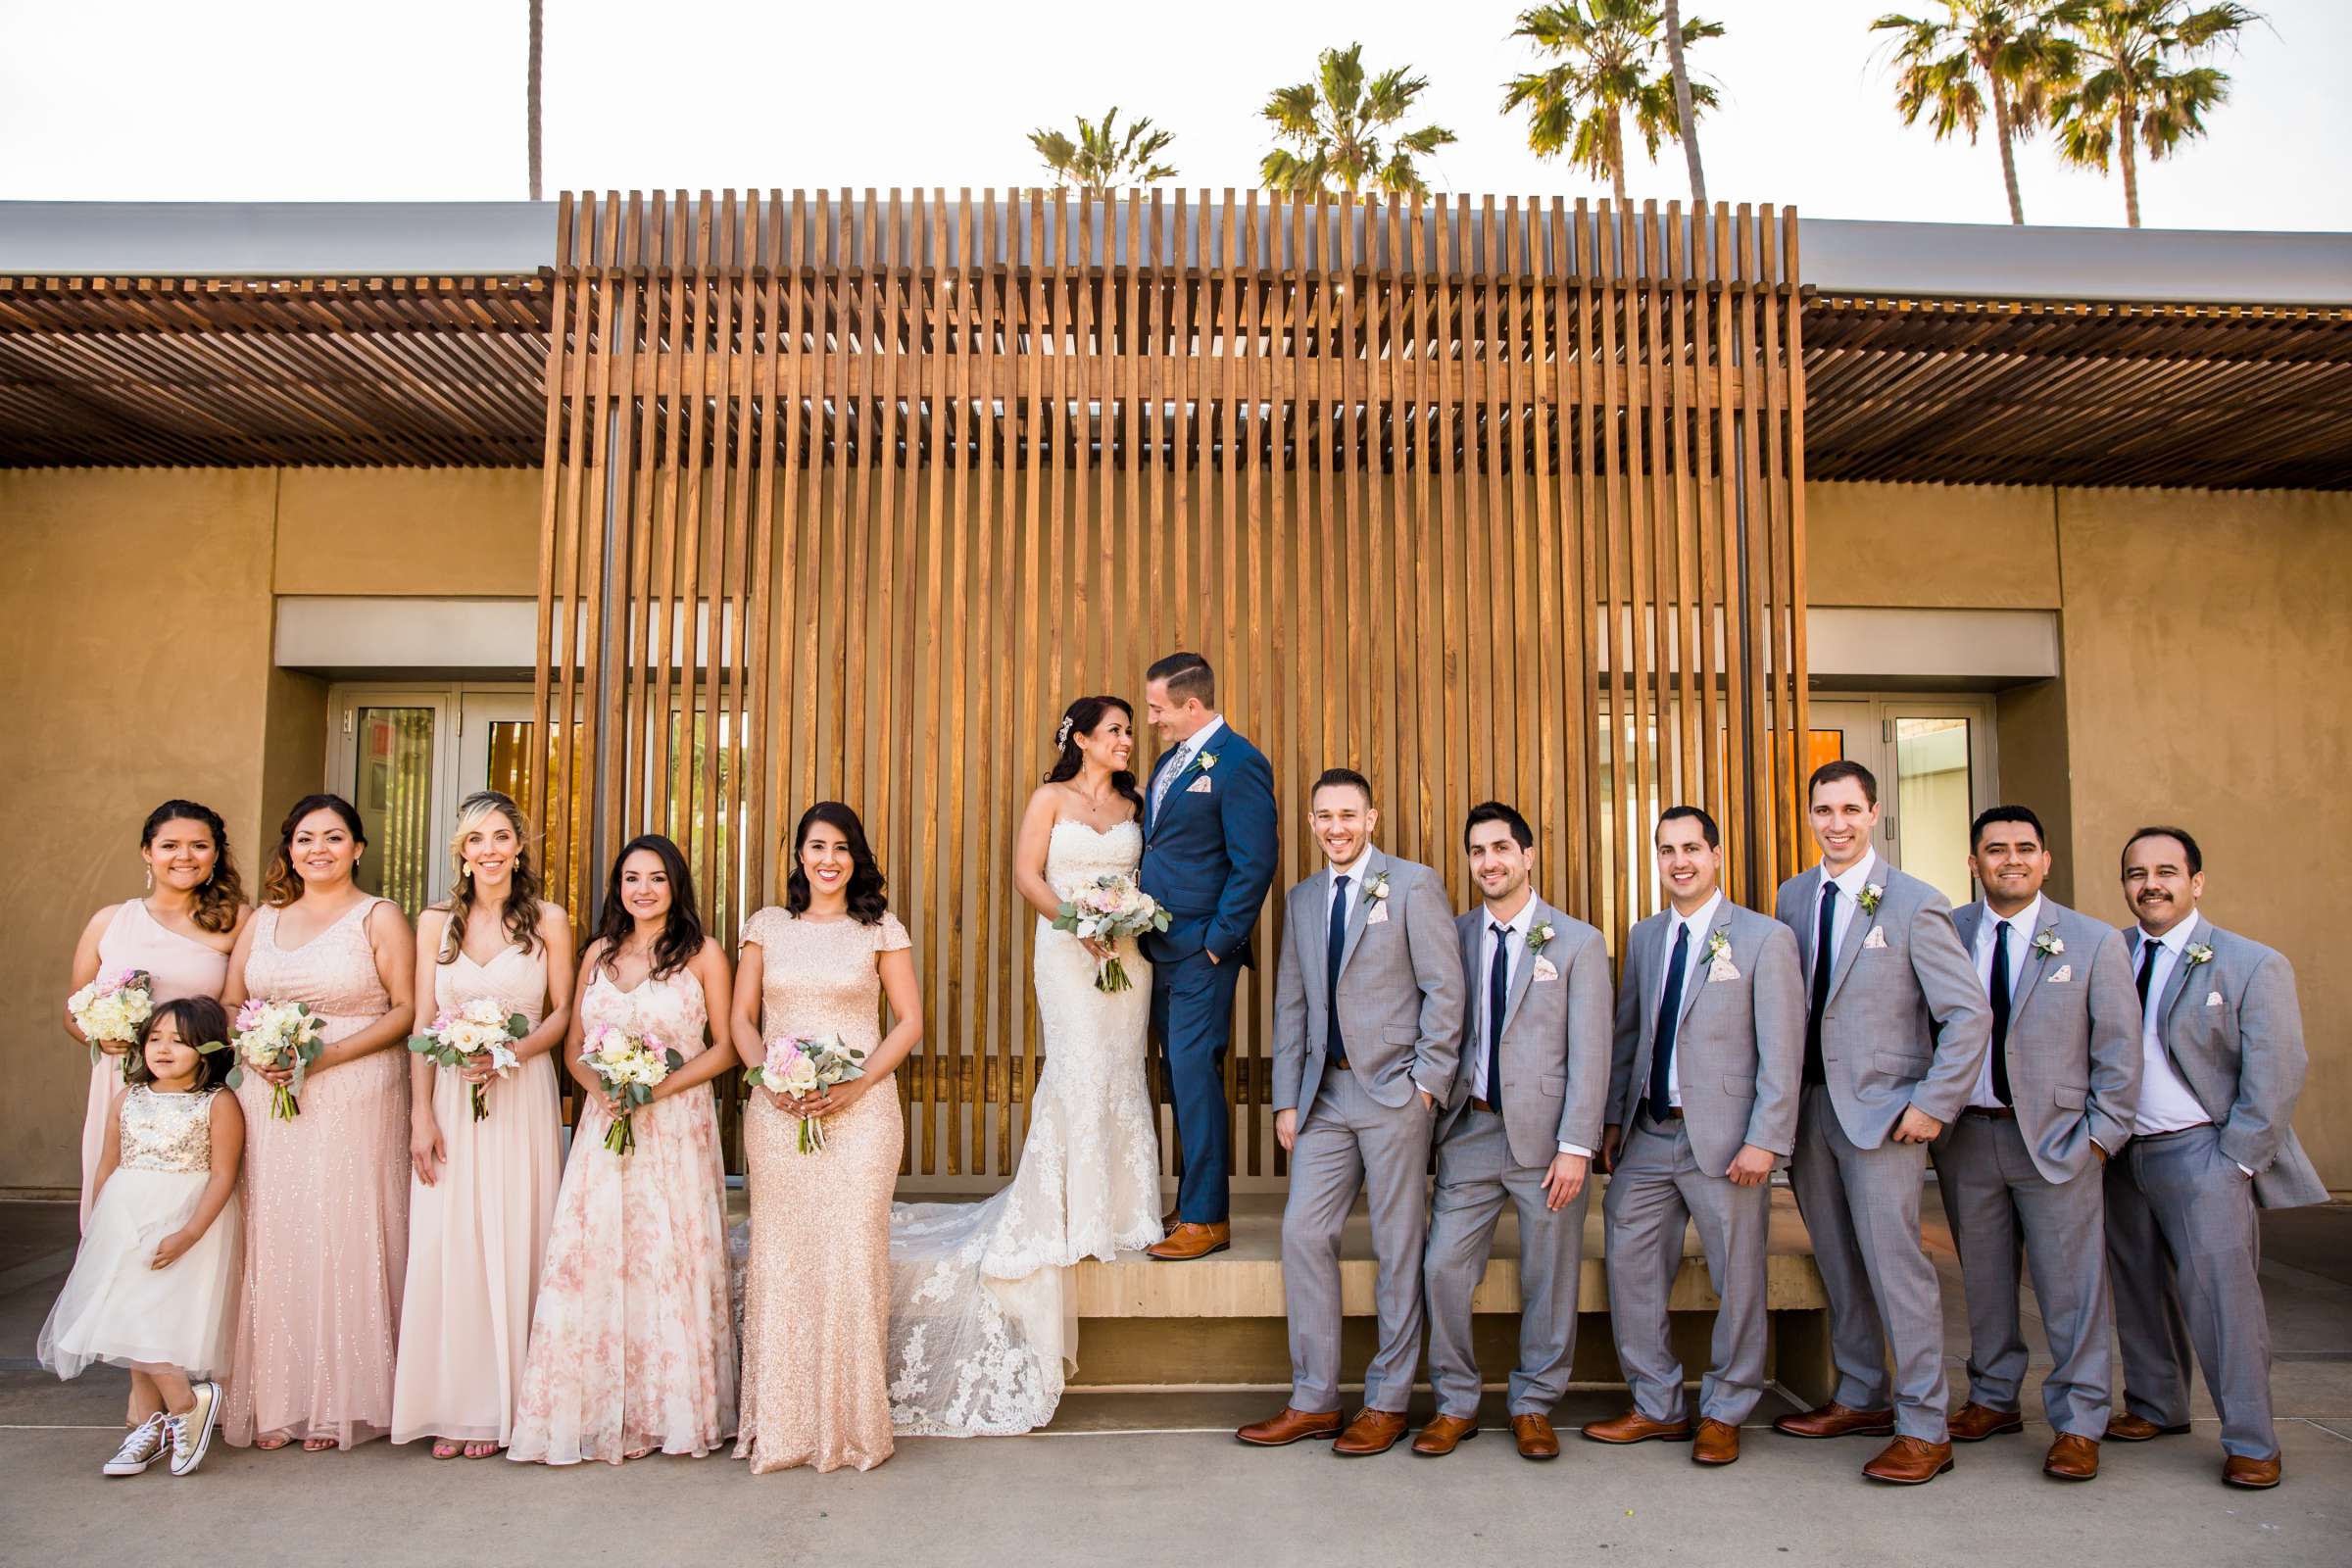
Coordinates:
x,y
1101,160
2140,87
1334,127
1606,61
1950,67
530,93
1685,117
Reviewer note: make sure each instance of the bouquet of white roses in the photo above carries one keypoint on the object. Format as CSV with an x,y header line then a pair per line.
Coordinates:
x,y
109,1010
475,1035
802,1067
278,1035
630,1066
1105,909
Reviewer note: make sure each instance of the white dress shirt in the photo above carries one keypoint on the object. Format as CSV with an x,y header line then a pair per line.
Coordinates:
x,y
2165,1103
1514,950
2022,926
1700,925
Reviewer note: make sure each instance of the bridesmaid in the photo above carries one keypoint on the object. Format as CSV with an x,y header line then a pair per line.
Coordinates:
x,y
633,1346
180,933
325,1194
485,1191
816,1298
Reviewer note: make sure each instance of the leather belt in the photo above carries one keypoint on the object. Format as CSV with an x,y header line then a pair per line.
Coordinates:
x,y
1477,1103
1991,1113
1673,1113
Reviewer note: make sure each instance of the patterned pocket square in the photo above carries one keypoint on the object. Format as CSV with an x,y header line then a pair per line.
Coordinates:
x,y
1198,786
2213,998
2060,975
1544,970
1378,917
1876,939
1721,970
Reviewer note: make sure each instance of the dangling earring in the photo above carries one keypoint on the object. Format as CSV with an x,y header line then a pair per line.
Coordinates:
x,y
151,879
466,869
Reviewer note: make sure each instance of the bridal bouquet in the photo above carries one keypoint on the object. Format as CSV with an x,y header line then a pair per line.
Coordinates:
x,y
1105,909
802,1067
110,1008
278,1035
630,1066
480,1028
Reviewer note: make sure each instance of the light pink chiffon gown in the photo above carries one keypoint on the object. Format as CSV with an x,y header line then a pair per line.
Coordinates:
x,y
633,1342
177,967
477,1236
326,1209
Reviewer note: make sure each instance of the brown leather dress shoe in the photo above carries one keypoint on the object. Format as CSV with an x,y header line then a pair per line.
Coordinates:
x,y
1717,1443
1973,1423
2073,1459
1190,1241
1910,1462
1371,1431
1635,1427
1288,1426
1536,1439
2258,1475
1835,1420
1444,1433
2124,1427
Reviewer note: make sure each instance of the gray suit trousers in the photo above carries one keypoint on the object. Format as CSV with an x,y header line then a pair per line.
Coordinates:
x,y
2183,1246
1861,1206
1991,1193
1657,1183
1348,1140
1475,1175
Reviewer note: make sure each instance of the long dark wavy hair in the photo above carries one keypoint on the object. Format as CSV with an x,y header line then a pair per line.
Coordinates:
x,y
520,916
1083,718
201,1021
681,935
868,893
281,884
221,893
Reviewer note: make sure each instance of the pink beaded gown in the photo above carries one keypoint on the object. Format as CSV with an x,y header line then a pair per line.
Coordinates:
x,y
326,1209
477,1236
177,967
816,1293
633,1343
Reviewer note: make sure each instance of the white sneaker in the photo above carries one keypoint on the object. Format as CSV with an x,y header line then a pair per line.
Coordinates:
x,y
192,1434
141,1447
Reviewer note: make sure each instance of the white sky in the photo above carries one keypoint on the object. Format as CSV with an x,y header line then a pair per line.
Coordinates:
x,y
276,100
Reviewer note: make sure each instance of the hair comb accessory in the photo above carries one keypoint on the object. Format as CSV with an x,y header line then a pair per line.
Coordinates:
x,y
1061,735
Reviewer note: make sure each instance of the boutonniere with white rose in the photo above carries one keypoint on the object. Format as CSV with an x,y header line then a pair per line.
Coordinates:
x,y
1539,937
2048,945
1872,893
2197,952
1205,762
1376,897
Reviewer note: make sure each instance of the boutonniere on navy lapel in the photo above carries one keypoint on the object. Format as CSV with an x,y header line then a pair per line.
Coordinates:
x,y
1376,889
1200,765
1718,957
1539,937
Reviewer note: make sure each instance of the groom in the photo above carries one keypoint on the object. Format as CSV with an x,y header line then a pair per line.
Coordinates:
x,y
1208,857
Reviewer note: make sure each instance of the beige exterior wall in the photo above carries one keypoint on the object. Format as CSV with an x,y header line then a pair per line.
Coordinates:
x,y
454,533
1931,547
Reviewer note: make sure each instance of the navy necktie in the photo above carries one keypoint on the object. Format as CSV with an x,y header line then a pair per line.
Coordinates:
x,y
1823,959
1670,1015
2147,967
2000,1012
1332,945
1498,998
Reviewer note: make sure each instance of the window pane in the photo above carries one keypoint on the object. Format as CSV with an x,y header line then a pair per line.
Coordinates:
x,y
510,769
395,787
1932,802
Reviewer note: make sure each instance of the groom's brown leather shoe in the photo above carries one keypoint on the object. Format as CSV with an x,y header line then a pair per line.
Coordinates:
x,y
1444,1433
2260,1475
2124,1427
1536,1439
1718,1443
1371,1431
1291,1426
1190,1241
1835,1420
1635,1427
1910,1462
2071,1458
1974,1422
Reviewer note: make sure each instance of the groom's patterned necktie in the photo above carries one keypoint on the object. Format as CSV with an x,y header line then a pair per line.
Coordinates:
x,y
1167,780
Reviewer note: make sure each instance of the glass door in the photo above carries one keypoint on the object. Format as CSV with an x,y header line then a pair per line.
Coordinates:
x,y
388,757
1933,758
494,745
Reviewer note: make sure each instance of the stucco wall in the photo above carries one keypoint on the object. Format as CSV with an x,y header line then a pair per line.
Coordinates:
x,y
1931,547
461,532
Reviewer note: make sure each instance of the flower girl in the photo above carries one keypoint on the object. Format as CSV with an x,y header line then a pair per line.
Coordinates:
x,y
153,1286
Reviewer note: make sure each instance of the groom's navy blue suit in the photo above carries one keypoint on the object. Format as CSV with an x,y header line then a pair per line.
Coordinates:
x,y
1210,855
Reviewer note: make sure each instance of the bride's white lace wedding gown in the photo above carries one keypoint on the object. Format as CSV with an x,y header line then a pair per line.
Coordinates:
x,y
981,1319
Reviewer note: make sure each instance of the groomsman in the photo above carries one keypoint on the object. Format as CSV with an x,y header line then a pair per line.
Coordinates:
x,y
1519,1121
1710,1046
1897,1030
1367,1024
2222,1065
2053,1102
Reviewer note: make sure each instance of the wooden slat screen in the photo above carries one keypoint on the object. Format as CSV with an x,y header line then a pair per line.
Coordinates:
x,y
846,499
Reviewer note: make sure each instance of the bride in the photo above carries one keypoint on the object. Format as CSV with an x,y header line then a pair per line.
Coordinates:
x,y
981,1319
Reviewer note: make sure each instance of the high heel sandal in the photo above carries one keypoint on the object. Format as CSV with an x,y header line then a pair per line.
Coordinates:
x,y
443,1449
317,1444
270,1444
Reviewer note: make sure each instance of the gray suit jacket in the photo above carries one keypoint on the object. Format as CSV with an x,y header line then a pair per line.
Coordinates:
x,y
1399,1001
2242,1056
1740,1045
2073,1037
1555,1036
1906,1022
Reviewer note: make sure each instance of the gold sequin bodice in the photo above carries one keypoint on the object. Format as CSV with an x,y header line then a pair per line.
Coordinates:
x,y
168,1132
